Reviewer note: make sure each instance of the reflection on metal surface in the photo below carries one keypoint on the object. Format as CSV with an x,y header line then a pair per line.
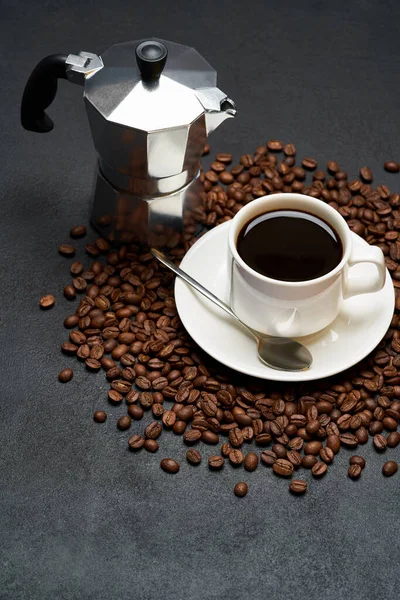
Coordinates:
x,y
149,135
82,66
160,222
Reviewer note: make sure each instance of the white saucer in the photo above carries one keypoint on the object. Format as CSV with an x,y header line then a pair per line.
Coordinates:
x,y
360,326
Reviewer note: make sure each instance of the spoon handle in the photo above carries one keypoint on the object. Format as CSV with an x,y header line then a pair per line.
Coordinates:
x,y
186,277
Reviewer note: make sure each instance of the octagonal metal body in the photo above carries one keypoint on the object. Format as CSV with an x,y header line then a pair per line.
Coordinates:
x,y
150,136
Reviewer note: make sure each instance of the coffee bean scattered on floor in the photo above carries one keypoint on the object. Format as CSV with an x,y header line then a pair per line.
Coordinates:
x,y
169,465
216,462
126,323
100,416
298,486
66,249
47,301
124,422
392,166
354,471
65,375
151,445
389,468
78,231
241,489
193,456
251,461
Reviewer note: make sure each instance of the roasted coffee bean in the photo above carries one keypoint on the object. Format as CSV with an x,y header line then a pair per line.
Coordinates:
x,y
313,426
282,467
393,439
157,410
391,166
66,249
69,292
357,460
298,487
47,301
333,442
224,157
71,321
121,386
354,471
262,439
124,422
65,375
241,489
289,149
327,455
143,383
153,430
179,427
235,457
380,442
319,469
69,348
333,167
135,412
78,231
361,435
79,284
168,418
274,145
375,427
366,174
96,352
92,364
136,442
312,448
251,461
169,465
349,440
115,397
185,413
151,445
389,468
208,437
268,457
77,337
193,456
100,416
192,436
236,437
92,250
279,450
309,163
389,424
216,462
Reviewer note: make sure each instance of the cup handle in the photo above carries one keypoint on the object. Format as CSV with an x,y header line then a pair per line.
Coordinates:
x,y
356,285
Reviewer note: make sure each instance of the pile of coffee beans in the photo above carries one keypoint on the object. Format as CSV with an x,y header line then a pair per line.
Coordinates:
x,y
126,324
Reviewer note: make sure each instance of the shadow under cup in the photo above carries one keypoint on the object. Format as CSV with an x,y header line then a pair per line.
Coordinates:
x,y
285,308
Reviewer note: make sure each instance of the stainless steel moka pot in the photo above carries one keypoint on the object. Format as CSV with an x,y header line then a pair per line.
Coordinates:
x,y
151,105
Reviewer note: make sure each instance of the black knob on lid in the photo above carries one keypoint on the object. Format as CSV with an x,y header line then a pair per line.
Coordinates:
x,y
151,57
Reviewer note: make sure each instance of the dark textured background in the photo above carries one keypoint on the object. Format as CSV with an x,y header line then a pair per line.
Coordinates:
x,y
80,516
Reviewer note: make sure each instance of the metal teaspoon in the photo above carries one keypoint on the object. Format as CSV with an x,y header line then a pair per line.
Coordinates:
x,y
278,353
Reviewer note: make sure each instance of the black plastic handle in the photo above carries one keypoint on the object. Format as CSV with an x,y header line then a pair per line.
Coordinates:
x,y
40,91
151,57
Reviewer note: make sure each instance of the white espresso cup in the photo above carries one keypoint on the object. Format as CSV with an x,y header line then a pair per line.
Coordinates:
x,y
295,309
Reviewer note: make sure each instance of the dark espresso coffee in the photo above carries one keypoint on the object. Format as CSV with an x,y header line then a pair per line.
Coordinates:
x,y
290,245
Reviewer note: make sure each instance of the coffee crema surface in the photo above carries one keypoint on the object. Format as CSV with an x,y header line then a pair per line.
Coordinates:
x,y
290,245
